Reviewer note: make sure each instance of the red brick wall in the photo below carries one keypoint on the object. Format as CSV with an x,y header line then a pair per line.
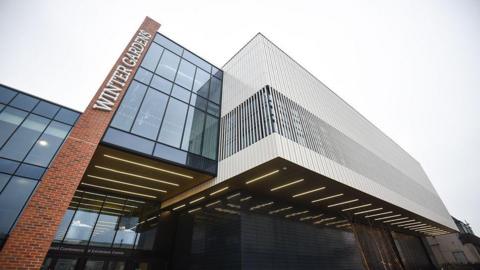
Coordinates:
x,y
29,241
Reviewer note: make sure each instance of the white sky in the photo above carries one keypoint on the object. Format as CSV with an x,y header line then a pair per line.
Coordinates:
x,y
411,67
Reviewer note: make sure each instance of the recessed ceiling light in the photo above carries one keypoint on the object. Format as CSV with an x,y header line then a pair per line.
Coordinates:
x,y
368,211
197,200
392,216
286,185
261,177
178,207
342,203
280,210
194,210
308,192
218,191
120,190
396,219
357,207
327,198
124,183
379,214
213,203
138,176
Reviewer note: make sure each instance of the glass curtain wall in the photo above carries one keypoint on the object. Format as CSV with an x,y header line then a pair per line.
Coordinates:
x,y
171,109
31,132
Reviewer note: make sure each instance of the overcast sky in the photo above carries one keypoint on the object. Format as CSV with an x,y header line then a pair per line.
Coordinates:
x,y
411,67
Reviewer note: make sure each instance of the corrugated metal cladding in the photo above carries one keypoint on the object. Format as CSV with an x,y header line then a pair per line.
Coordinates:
x,y
329,136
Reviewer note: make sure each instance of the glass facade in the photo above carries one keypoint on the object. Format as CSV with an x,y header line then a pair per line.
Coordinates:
x,y
171,109
31,132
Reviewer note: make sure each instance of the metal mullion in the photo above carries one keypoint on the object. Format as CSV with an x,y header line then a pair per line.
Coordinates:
x,y
96,221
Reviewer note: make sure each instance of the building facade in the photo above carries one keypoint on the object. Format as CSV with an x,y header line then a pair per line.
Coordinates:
x,y
178,164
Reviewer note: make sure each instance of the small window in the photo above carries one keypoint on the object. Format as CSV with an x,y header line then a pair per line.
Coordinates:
x,y
151,58
185,74
168,65
24,102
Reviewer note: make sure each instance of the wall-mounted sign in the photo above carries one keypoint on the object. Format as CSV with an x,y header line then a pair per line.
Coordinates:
x,y
117,82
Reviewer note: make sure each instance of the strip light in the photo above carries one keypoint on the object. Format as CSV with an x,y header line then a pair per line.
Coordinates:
x,y
233,196
197,200
336,222
120,190
261,177
356,207
392,216
368,211
296,214
213,203
396,219
260,206
245,199
324,219
343,225
311,217
148,166
280,210
308,192
218,191
403,222
286,185
109,196
178,207
124,183
379,214
107,202
138,176
327,198
408,224
418,226
194,210
342,203
106,207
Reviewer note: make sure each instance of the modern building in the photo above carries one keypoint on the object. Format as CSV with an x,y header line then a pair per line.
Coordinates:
x,y
179,164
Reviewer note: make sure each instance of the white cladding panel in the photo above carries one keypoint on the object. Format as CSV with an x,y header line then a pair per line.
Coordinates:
x,y
261,63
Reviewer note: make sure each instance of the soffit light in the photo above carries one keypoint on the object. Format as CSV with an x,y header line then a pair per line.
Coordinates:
x,y
197,200
120,190
324,219
124,183
218,191
178,207
108,196
296,214
286,185
392,216
408,224
261,177
311,217
260,206
138,176
342,203
233,196
396,219
327,198
336,222
148,166
356,207
379,214
194,210
308,192
403,222
368,211
280,210
106,202
213,203
343,225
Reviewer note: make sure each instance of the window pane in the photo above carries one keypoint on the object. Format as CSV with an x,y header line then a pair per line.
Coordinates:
x,y
150,116
46,109
197,60
202,80
3,180
115,265
93,265
143,76
67,116
192,138
181,93
215,90
161,84
128,141
10,118
65,264
12,200
30,171
198,102
185,74
125,237
24,138
165,42
48,144
172,127
8,166
128,108
6,94
210,138
104,230
62,229
213,109
81,227
151,58
168,65
24,102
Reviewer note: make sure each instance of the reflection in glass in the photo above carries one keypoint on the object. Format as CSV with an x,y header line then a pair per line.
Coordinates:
x,y
181,93
192,138
168,65
213,109
65,264
24,137
161,84
201,84
150,115
172,127
94,265
62,229
215,90
114,265
12,200
210,138
125,237
104,230
81,227
10,118
128,108
185,74
48,144
198,102
143,76
151,58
